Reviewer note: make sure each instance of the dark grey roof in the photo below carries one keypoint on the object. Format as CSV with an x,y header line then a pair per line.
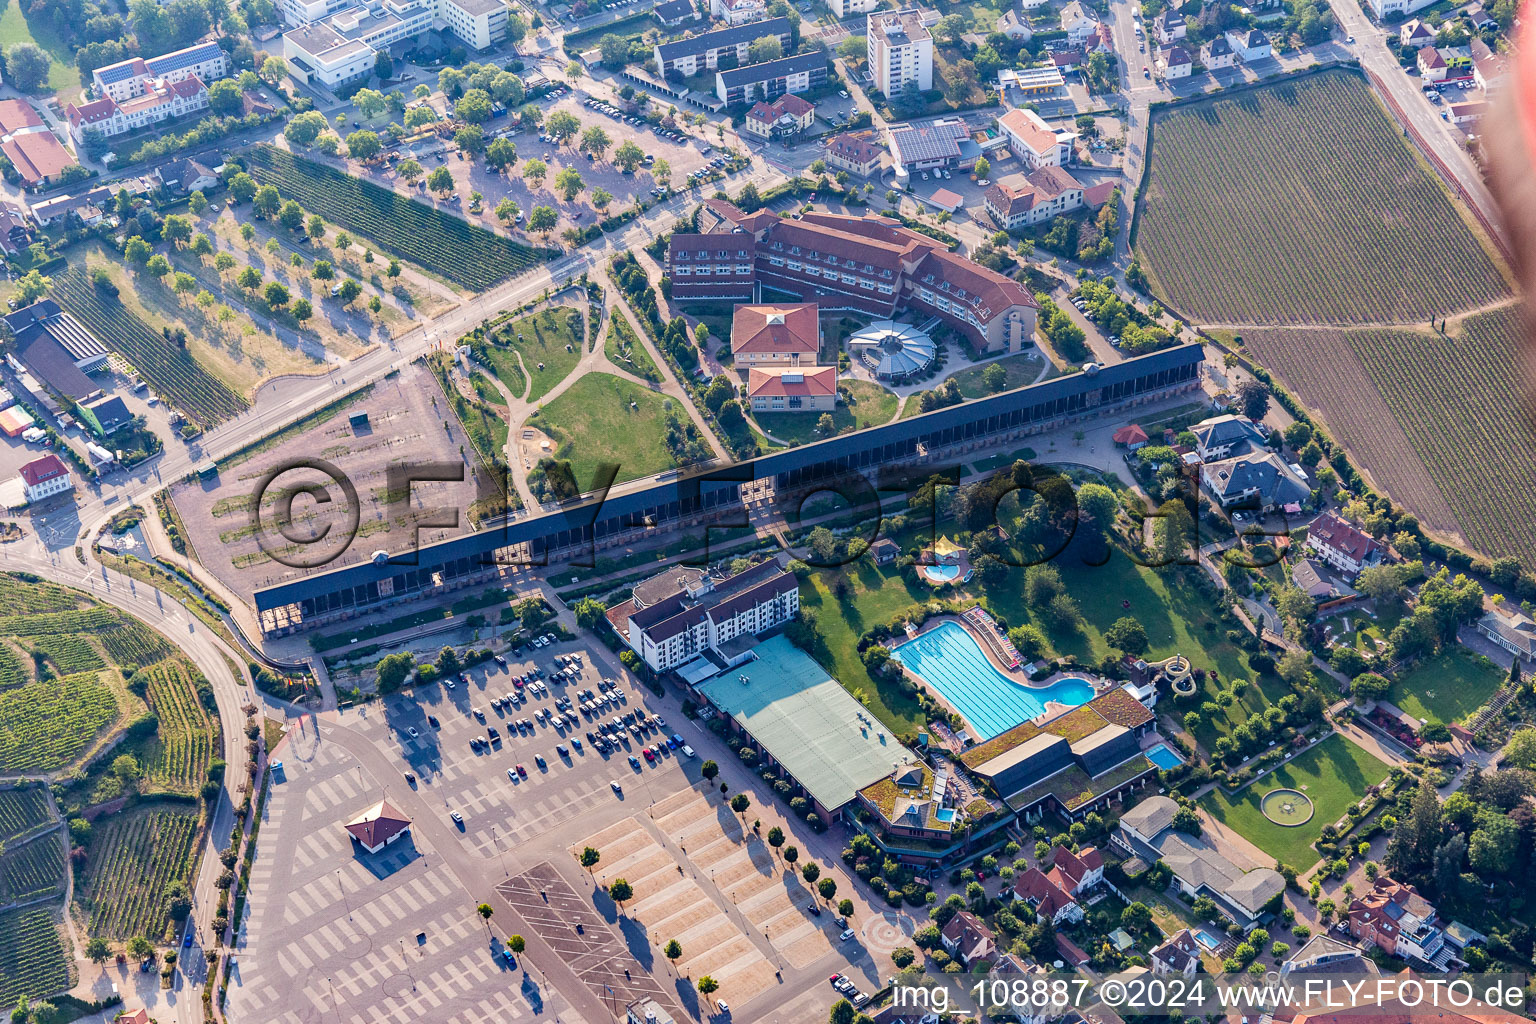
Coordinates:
x,y
723,37
894,441
46,358
1219,46
674,10
47,316
169,62
1266,474
110,412
768,70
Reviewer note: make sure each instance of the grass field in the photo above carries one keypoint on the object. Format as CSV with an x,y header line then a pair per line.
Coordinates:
x,y
132,863
1333,774
592,422
439,242
625,352
550,343
15,28
33,961
170,370
1410,405
1300,202
869,405
1021,369
1448,687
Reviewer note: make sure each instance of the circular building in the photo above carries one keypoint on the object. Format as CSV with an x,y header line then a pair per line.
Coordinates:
x,y
892,351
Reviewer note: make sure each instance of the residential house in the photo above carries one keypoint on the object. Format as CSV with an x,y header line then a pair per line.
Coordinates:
x,y
1311,578
1034,142
29,145
1077,23
674,13
1170,26
1488,67
943,143
1174,62
781,389
161,101
1048,897
1077,872
684,58
848,8
784,118
1395,918
1217,53
1343,545
1249,44
1179,955
1014,25
138,76
1458,63
1255,481
43,478
853,154
1147,831
1416,34
739,12
15,235
186,176
884,551
1322,954
675,616
801,72
1478,18
1222,437
1431,65
1383,8
967,939
1067,61
1100,40
379,826
1131,437
784,335
1515,633
106,415
900,50
1044,194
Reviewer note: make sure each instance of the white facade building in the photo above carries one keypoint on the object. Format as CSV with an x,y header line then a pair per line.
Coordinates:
x,y
900,50
674,617
333,44
129,78
738,12
1034,142
45,477
848,8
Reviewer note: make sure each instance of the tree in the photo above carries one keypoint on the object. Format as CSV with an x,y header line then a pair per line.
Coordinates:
x,y
711,771
31,287
708,984
1369,686
841,1013
1128,636
562,126
409,170
291,216
363,145
739,803
419,117
534,171
661,173
485,910
474,106
507,89
26,67
827,887
673,952
983,169
791,854
1520,751
1416,837
1136,917
370,102
276,294
810,872
620,891
1494,845
274,70
628,156
994,378
302,310
569,183
384,66
158,265
543,220
393,669
826,426
600,198
1253,399
516,943
501,154
242,188
140,948
249,279
470,139
350,290
440,181
97,950
589,858
201,245
615,50
595,141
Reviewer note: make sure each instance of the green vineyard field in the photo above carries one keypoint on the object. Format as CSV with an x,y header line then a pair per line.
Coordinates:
x,y
179,758
70,652
170,369
45,724
31,596
133,859
1300,203
89,620
133,643
32,958
12,671
33,870
441,243
1439,399
22,810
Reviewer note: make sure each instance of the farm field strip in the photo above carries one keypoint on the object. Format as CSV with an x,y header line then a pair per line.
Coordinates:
x,y
1365,233
32,958
133,643
466,254
172,371
71,652
33,870
131,866
19,596
180,758
45,724
88,620
21,811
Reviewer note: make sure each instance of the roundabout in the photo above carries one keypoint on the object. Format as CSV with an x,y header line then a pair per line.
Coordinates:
x,y
1286,807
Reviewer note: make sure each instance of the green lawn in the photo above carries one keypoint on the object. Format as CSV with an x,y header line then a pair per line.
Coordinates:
x,y
992,462
1021,369
625,352
15,28
592,423
1448,687
869,405
550,345
1334,774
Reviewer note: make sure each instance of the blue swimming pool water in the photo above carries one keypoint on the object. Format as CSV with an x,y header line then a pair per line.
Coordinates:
x,y
941,572
1164,756
1207,940
950,661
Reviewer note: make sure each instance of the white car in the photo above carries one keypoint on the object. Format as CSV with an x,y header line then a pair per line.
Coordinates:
x,y
687,750
847,934
724,1006
412,731
449,682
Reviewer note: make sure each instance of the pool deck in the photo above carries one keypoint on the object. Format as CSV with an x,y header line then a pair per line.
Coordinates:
x,y
1053,709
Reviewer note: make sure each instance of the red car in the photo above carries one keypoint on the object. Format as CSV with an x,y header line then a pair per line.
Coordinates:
x,y
518,682
648,755
522,771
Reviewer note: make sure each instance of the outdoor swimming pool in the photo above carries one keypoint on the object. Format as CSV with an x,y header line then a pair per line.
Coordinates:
x,y
950,660
1164,756
940,573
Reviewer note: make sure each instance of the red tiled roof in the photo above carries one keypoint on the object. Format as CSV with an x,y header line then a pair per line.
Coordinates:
x,y
29,145
813,382
378,825
1430,57
791,328
15,114
853,149
1130,434
39,471
789,104
1019,123
90,113
1047,894
1341,536
1075,867
1098,195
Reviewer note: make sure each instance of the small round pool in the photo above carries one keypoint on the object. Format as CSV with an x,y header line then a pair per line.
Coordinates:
x,y
951,661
